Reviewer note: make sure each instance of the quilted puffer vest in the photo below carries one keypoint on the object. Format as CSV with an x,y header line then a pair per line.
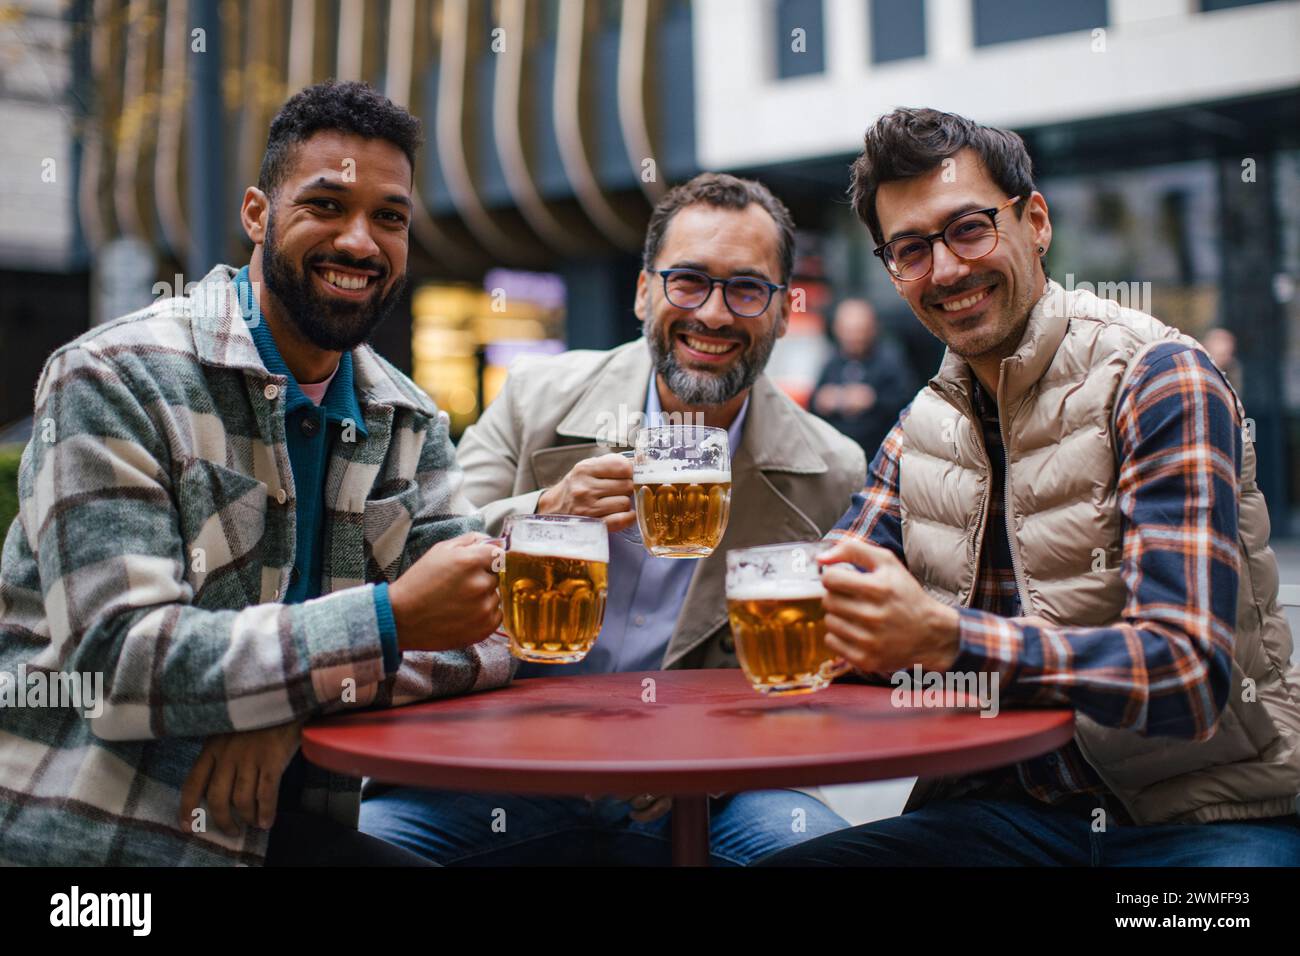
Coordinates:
x,y
1057,401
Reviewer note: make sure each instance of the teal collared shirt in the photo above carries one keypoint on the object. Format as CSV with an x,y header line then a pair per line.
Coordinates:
x,y
309,430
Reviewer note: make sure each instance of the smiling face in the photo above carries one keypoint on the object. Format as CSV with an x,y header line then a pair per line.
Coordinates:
x,y
978,308
333,239
707,356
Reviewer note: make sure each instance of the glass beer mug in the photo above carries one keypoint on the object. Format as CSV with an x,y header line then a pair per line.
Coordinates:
x,y
681,486
554,577
774,604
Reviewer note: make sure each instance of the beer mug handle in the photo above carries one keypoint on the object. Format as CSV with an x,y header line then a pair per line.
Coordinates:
x,y
498,568
839,666
633,531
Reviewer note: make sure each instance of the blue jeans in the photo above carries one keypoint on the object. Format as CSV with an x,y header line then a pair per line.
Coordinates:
x,y
476,829
1014,831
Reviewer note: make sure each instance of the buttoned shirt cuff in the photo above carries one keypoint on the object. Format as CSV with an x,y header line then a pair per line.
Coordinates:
x,y
387,629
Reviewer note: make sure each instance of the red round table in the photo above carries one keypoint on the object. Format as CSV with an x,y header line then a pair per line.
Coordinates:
x,y
685,733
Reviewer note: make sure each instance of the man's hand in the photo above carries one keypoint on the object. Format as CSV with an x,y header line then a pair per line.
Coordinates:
x,y
238,776
595,488
449,598
857,399
827,399
642,807
882,621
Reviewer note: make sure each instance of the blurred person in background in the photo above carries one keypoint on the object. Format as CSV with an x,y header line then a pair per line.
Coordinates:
x,y
235,516
1222,348
867,382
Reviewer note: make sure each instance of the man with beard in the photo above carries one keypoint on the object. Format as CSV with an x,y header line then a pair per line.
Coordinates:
x,y
238,516
713,297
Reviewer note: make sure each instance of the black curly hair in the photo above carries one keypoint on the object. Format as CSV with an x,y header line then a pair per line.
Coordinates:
x,y
347,107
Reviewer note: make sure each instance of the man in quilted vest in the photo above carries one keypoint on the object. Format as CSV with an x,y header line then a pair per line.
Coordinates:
x,y
234,516
1067,514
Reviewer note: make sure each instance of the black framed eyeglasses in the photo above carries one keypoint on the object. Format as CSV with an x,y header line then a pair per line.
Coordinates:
x,y
972,235
744,296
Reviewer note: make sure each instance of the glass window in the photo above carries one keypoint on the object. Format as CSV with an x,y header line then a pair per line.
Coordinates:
x,y
1003,21
800,38
1208,5
1148,235
897,30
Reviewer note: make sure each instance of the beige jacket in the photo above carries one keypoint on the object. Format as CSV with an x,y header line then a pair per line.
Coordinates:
x,y
1057,402
792,476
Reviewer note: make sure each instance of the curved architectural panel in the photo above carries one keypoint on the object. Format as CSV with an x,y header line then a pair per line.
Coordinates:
x,y
306,36
563,231
135,123
171,128
454,132
406,47
350,56
262,87
574,148
97,221
633,96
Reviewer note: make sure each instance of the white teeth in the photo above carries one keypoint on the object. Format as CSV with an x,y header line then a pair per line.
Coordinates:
x,y
345,281
965,303
709,347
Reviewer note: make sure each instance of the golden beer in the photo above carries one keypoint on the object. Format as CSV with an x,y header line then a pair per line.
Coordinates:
x,y
781,642
774,604
553,585
681,487
684,517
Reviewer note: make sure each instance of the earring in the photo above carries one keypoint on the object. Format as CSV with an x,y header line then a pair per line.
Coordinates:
x,y
1042,250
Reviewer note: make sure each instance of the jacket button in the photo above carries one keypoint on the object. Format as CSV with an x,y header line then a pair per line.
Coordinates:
x,y
309,426
282,496
272,392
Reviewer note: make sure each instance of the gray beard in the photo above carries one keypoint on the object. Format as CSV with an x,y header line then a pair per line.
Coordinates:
x,y
704,388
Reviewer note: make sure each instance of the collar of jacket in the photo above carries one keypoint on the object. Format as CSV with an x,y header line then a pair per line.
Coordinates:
x,y
1049,320
773,439
222,339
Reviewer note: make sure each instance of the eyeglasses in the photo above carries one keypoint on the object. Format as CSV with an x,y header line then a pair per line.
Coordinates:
x,y
972,235
744,296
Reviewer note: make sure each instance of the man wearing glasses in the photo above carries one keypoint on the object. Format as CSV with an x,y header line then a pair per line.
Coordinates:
x,y
1070,507
713,297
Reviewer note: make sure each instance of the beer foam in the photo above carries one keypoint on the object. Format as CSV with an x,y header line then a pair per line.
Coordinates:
x,y
787,590
568,550
666,473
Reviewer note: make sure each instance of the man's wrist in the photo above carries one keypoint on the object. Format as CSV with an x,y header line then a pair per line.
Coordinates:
x,y
945,625
546,500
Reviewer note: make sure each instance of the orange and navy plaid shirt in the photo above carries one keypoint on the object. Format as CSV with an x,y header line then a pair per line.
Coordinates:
x,y
1166,669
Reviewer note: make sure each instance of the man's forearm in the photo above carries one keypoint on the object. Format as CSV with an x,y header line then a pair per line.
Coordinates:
x,y
1149,677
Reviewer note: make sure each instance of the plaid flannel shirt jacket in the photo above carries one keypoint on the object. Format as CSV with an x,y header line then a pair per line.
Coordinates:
x,y
154,540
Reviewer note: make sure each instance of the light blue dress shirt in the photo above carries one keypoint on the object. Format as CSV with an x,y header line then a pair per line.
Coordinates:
x,y
645,593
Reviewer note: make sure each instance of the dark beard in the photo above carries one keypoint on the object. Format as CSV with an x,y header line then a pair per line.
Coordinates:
x,y
326,323
698,388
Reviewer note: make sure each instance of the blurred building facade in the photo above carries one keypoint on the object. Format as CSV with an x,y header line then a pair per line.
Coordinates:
x,y
1164,134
